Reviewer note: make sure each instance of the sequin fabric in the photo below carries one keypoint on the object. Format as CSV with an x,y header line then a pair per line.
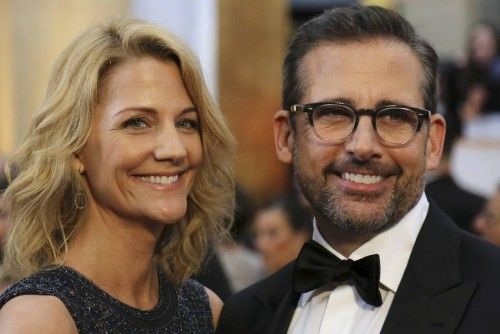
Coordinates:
x,y
182,310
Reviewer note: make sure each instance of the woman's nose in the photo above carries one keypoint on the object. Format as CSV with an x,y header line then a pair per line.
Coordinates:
x,y
170,145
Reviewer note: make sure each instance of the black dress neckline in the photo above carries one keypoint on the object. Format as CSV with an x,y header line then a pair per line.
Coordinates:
x,y
159,316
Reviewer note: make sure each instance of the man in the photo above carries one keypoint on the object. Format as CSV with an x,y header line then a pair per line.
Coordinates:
x,y
359,127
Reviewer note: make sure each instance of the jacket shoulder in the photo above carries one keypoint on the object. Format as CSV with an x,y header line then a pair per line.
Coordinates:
x,y
480,258
250,310
481,264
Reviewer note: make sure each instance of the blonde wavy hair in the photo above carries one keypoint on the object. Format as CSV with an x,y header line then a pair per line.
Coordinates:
x,y
44,182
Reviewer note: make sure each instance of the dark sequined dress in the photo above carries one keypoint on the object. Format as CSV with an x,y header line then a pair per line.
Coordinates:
x,y
182,310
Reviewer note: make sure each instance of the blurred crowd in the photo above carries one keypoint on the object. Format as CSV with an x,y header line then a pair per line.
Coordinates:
x,y
470,102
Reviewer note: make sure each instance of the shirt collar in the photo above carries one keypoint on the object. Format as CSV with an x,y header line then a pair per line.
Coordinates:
x,y
398,239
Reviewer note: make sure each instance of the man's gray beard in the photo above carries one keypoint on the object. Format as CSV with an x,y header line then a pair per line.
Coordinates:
x,y
405,195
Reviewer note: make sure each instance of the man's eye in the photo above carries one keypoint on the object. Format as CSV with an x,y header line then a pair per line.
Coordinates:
x,y
395,115
137,123
333,114
188,124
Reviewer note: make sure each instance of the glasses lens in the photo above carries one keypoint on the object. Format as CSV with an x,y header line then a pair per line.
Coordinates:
x,y
333,122
397,125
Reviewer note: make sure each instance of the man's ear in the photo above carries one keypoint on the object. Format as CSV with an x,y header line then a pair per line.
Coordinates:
x,y
435,141
283,136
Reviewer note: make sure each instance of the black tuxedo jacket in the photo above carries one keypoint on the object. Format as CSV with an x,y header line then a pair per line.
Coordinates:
x,y
451,285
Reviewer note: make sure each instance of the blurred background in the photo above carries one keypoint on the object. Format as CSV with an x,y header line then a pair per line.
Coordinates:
x,y
241,45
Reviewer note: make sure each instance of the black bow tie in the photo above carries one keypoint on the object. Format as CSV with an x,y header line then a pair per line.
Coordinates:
x,y
316,266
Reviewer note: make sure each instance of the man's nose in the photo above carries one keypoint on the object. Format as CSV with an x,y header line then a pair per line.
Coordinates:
x,y
363,143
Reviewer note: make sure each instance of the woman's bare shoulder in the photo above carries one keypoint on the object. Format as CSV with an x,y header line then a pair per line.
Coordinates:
x,y
36,314
215,305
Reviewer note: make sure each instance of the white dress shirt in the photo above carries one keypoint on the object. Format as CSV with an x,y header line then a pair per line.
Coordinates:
x,y
341,310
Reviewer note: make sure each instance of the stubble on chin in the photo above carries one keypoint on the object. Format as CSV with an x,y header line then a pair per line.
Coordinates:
x,y
349,214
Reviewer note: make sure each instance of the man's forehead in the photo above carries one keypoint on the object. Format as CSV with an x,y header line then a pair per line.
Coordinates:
x,y
340,54
377,67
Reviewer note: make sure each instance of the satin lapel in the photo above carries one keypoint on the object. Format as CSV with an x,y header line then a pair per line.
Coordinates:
x,y
281,300
431,297
284,313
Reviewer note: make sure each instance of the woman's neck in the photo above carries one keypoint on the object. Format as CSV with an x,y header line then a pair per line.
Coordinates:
x,y
119,258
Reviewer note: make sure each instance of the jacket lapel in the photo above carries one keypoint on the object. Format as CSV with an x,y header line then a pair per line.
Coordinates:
x,y
432,296
284,313
279,300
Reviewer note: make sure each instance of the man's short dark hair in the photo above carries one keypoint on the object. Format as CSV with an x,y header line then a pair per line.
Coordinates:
x,y
352,24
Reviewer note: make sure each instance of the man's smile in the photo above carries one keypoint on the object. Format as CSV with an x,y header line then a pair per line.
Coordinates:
x,y
360,178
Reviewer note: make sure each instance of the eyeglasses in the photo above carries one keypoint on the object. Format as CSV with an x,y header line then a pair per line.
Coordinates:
x,y
334,122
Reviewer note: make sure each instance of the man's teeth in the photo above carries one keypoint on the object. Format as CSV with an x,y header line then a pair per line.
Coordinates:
x,y
159,179
358,178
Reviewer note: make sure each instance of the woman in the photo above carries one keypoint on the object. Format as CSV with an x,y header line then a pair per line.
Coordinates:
x,y
281,228
120,184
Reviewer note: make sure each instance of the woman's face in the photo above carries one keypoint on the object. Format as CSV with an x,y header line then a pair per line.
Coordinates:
x,y
275,239
145,147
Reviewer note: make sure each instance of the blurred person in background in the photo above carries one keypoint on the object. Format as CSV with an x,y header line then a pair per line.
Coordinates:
x,y
479,77
241,263
213,276
487,222
458,203
122,181
470,88
280,229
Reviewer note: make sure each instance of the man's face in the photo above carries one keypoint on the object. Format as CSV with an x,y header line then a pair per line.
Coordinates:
x,y
360,185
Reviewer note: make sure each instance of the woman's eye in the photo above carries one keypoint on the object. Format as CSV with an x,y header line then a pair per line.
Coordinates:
x,y
137,123
188,124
